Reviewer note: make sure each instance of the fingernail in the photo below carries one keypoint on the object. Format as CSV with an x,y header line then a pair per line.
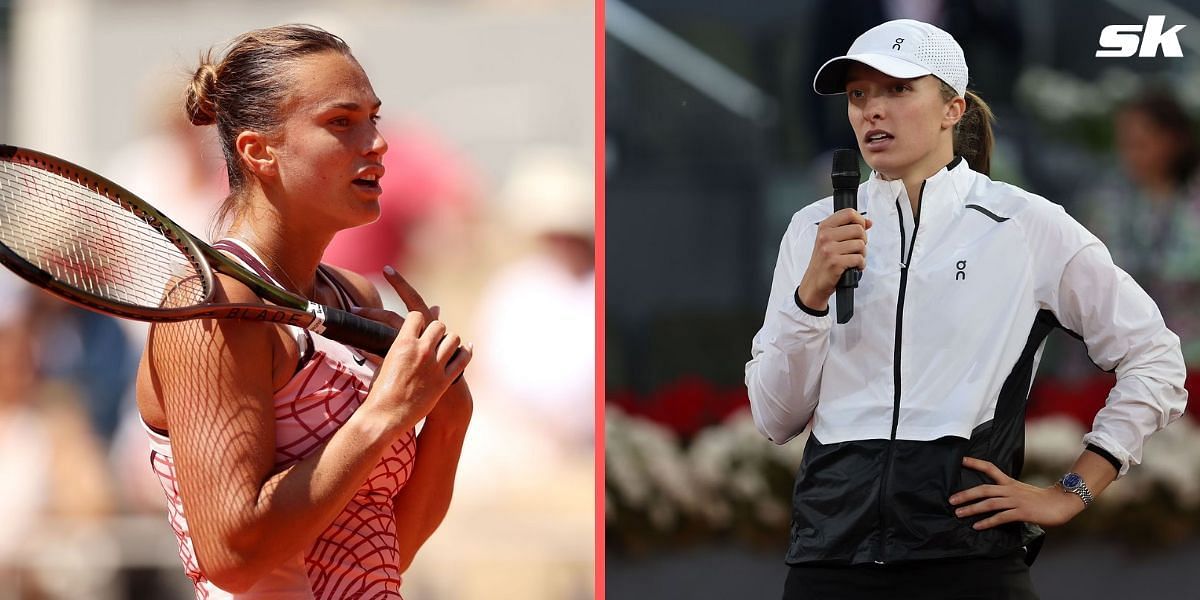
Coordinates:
x,y
959,512
388,270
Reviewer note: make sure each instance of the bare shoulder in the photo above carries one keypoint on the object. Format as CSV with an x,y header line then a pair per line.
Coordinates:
x,y
225,290
359,286
228,289
239,351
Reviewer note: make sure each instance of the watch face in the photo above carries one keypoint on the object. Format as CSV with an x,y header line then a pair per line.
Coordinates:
x,y
1071,480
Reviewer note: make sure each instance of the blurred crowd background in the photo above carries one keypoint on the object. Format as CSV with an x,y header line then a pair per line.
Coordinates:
x,y
488,211
715,138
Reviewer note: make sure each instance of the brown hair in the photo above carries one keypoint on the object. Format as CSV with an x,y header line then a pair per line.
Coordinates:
x,y
973,134
1161,107
245,90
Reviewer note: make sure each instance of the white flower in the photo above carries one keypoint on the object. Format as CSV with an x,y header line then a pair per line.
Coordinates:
x,y
732,460
645,469
725,476
621,464
1171,458
1052,444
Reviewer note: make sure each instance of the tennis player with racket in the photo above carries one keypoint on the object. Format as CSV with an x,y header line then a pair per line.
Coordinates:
x,y
281,399
909,486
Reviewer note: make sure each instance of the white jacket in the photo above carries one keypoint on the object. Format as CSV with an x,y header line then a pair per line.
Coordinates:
x,y
949,322
987,257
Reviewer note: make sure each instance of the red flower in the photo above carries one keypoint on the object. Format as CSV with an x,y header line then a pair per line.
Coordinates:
x,y
685,406
1078,399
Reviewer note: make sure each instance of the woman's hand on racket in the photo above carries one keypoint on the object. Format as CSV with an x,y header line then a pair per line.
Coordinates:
x,y
450,353
457,403
841,244
415,303
1011,501
447,347
417,370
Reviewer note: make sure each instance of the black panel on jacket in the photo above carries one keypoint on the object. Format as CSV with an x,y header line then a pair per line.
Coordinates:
x,y
840,516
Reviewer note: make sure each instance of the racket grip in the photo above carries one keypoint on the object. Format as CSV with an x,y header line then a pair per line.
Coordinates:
x,y
365,334
372,336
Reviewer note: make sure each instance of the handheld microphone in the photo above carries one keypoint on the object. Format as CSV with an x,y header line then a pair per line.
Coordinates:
x,y
845,195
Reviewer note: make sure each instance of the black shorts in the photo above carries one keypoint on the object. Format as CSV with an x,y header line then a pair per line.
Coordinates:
x,y
959,579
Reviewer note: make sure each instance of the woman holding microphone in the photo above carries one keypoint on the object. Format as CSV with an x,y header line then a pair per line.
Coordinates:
x,y
909,487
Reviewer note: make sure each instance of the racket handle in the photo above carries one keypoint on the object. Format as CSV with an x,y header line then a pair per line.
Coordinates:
x,y
372,336
365,334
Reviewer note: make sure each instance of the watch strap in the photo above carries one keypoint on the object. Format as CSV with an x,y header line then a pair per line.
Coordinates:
x,y
1080,489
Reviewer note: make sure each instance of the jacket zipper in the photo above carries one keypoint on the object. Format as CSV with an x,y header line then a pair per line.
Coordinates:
x,y
904,265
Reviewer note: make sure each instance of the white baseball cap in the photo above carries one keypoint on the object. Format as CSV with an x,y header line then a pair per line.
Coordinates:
x,y
902,48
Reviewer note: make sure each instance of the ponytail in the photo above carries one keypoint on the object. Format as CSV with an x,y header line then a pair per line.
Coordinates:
x,y
973,134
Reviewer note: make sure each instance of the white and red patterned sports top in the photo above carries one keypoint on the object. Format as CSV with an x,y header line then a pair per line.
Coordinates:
x,y
356,556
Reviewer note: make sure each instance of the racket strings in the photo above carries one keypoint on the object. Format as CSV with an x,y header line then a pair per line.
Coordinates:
x,y
92,241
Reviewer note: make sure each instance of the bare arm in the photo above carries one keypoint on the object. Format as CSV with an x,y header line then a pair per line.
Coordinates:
x,y
422,504
1011,500
214,378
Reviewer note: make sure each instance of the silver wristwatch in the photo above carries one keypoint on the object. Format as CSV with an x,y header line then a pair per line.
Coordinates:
x,y
1073,483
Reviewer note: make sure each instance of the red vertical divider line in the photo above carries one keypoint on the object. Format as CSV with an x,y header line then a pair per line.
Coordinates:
x,y
600,269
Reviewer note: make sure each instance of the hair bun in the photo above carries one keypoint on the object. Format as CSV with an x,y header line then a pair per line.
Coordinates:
x,y
201,109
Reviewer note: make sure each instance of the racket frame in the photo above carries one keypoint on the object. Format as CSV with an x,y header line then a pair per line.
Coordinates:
x,y
288,308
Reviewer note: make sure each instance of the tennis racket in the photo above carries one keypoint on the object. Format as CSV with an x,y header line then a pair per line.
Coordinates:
x,y
91,242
